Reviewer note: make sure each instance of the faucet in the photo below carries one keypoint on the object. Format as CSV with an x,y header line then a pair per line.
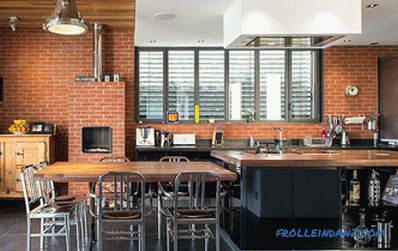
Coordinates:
x,y
280,138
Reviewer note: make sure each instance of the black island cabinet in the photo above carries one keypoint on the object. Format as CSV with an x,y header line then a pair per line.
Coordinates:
x,y
304,207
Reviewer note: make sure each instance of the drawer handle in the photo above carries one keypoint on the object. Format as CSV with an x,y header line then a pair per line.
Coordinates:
x,y
19,154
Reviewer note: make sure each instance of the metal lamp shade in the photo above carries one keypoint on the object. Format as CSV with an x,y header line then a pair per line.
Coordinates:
x,y
66,20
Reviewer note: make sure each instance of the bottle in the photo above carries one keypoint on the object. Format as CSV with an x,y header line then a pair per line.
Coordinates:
x,y
251,141
375,139
355,190
196,114
374,193
362,236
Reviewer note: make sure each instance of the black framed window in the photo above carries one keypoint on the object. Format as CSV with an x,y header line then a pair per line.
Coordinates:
x,y
150,92
304,84
279,85
272,96
181,83
241,83
211,96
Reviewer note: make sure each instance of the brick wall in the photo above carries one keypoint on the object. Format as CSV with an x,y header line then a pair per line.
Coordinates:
x,y
38,67
95,104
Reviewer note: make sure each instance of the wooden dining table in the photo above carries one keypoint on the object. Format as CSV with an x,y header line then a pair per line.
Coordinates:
x,y
152,171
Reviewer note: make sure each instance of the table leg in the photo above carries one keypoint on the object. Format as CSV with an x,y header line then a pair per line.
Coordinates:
x,y
92,209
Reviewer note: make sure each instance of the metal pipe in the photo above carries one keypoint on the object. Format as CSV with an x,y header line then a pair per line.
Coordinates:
x,y
97,37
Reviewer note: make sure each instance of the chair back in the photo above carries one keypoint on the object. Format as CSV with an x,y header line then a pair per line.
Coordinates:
x,y
47,186
121,193
174,159
31,189
114,159
198,183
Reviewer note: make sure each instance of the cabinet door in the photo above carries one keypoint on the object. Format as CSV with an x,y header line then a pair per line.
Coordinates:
x,y
10,170
27,153
30,153
316,193
269,192
2,167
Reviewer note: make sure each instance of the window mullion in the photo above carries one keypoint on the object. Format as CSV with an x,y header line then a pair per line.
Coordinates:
x,y
165,83
288,72
226,85
196,77
257,83
317,87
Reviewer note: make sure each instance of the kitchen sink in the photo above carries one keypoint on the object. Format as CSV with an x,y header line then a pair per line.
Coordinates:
x,y
296,152
285,153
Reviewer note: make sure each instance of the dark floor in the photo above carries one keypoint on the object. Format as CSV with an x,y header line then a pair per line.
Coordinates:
x,y
13,234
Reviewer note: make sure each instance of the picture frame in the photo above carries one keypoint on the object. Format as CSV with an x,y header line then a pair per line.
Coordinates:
x,y
173,117
42,128
37,127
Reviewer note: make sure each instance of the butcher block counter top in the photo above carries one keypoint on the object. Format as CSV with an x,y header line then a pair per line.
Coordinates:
x,y
152,171
310,158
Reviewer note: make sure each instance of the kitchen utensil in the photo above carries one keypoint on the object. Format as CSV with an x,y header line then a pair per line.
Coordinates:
x,y
344,139
354,120
329,126
164,138
145,136
339,126
251,141
375,139
184,139
384,229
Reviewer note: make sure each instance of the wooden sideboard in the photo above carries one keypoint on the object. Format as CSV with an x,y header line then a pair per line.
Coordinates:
x,y
17,151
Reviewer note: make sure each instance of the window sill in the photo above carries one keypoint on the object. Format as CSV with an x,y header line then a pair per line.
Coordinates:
x,y
226,122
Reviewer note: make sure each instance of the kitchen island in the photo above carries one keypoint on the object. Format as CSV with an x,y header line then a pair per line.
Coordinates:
x,y
301,189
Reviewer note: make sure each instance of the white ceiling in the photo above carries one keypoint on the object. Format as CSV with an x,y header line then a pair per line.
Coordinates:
x,y
198,20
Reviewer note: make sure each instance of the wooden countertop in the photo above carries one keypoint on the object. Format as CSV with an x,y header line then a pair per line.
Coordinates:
x,y
152,171
311,158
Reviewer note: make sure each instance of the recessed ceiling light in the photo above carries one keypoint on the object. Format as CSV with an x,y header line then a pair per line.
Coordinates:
x,y
374,43
163,16
346,41
372,5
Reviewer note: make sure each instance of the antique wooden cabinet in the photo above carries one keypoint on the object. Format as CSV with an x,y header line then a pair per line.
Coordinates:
x,y
17,151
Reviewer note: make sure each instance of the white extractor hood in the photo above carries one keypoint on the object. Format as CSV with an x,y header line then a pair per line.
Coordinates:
x,y
290,23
